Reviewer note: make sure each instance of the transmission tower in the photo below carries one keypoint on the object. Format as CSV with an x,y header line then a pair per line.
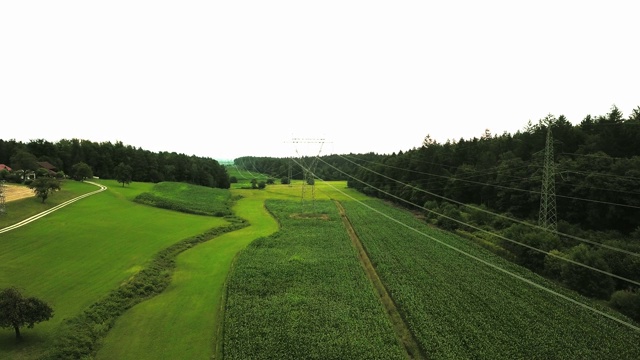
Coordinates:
x,y
548,216
3,207
307,169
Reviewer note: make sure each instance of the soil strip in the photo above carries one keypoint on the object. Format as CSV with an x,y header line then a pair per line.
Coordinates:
x,y
404,335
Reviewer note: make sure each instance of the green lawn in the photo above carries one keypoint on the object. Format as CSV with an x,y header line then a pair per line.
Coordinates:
x,y
73,257
24,208
182,321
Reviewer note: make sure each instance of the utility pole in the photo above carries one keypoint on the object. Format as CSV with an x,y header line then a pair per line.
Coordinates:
x,y
3,205
548,216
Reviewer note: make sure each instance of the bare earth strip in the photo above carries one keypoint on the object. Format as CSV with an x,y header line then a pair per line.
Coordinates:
x,y
403,333
13,192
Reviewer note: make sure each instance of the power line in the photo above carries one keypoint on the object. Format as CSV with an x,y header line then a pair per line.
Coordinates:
x,y
512,188
484,210
496,267
503,237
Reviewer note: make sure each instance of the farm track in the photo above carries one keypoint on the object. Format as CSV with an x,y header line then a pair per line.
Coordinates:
x,y
47,212
404,335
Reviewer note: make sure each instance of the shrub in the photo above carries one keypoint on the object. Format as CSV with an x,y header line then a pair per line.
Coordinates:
x,y
627,302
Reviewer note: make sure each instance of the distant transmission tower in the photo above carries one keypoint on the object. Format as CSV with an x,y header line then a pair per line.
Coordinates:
x,y
307,169
548,217
3,206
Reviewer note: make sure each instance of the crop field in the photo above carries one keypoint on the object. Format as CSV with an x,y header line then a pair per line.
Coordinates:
x,y
302,293
187,198
459,307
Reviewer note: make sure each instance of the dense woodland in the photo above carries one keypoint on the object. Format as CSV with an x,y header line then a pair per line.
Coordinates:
x,y
103,158
459,185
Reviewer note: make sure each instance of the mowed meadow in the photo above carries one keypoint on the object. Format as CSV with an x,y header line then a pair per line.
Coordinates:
x,y
265,274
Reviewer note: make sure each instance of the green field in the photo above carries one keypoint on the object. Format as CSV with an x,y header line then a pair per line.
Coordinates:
x,y
187,198
182,322
460,305
302,293
297,292
74,256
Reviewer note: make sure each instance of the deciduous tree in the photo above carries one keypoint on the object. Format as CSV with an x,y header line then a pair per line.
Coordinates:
x,y
123,173
17,311
81,171
44,186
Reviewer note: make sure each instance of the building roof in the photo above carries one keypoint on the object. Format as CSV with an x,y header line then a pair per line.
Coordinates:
x,y
4,167
47,166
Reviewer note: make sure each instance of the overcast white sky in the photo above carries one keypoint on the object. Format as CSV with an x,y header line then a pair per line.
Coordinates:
x,y
224,79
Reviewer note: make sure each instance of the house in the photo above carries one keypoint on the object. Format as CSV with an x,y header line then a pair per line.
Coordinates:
x,y
50,168
4,167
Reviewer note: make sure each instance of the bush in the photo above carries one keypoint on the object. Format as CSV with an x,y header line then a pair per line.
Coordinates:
x,y
627,302
450,214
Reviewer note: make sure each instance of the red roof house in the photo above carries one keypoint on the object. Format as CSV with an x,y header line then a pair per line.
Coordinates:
x,y
4,167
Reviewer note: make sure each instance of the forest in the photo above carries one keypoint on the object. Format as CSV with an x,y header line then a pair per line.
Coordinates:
x,y
489,189
104,157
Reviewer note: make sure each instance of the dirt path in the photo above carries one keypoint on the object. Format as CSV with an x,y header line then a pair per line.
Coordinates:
x,y
404,335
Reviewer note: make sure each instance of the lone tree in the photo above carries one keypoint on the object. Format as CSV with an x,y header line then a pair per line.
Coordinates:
x,y
44,186
17,311
123,173
81,171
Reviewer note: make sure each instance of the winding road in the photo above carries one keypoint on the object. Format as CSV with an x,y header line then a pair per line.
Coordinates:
x,y
57,207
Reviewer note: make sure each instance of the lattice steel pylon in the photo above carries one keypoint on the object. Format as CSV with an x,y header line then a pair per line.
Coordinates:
x,y
548,216
3,206
308,177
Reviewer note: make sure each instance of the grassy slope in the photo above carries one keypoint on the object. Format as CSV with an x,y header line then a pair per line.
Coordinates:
x,y
188,198
181,322
73,257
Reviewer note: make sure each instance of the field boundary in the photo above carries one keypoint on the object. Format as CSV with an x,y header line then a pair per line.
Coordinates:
x,y
403,333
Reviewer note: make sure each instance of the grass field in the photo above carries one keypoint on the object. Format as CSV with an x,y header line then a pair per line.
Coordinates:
x,y
182,321
73,257
24,208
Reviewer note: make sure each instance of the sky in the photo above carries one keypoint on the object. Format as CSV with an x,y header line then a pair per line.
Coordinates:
x,y
225,79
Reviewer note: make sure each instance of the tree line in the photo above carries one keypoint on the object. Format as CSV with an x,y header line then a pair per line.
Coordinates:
x,y
105,159
597,177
